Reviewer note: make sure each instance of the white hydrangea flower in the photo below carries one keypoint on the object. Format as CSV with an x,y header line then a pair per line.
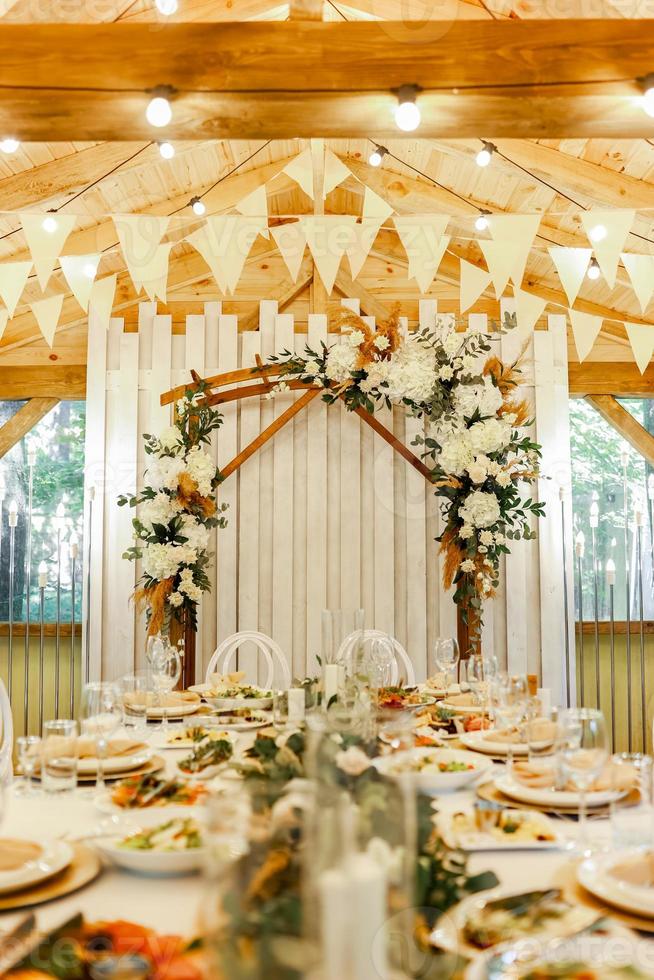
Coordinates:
x,y
341,361
480,509
160,510
170,438
489,436
188,587
201,468
164,560
456,454
195,532
412,372
485,398
163,472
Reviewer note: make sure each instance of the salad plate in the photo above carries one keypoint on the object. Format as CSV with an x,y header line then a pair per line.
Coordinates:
x,y
188,735
234,696
553,798
151,792
169,848
28,862
621,879
115,763
594,955
434,770
207,757
500,829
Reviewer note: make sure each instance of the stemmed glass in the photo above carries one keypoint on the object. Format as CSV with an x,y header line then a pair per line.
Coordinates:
x,y
509,700
378,661
481,673
584,754
135,690
101,716
446,657
28,748
166,665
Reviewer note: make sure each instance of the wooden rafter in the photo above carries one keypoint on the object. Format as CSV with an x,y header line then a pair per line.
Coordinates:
x,y
23,421
610,378
625,424
574,77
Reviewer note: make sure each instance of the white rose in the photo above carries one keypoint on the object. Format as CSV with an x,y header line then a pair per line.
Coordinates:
x,y
446,373
499,539
312,368
352,761
466,532
381,342
486,537
468,565
175,598
503,479
356,338
170,438
480,509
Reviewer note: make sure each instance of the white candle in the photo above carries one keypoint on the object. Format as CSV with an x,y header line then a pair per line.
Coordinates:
x,y
13,514
73,546
330,682
369,940
92,492
610,572
295,704
335,921
43,575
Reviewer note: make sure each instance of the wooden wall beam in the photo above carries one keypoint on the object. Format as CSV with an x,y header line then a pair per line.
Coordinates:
x,y
610,378
47,381
23,421
625,424
550,78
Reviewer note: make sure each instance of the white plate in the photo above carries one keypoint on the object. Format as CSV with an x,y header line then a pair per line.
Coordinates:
x,y
553,798
594,951
55,856
476,840
231,704
160,739
152,862
479,743
105,804
172,713
115,763
433,783
595,876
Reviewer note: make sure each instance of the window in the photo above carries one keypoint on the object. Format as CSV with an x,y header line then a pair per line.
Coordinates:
x,y
57,446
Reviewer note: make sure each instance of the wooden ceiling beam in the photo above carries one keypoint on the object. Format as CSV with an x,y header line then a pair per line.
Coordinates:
x,y
610,378
47,381
574,78
23,421
625,425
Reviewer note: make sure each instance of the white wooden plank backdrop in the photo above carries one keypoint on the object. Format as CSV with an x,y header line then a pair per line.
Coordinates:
x,y
325,516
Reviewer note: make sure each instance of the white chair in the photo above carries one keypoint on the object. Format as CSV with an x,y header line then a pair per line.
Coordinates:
x,y
223,656
7,745
401,664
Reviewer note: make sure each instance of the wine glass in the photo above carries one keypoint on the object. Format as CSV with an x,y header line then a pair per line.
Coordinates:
x,y
379,660
509,702
135,692
584,754
166,666
101,716
446,657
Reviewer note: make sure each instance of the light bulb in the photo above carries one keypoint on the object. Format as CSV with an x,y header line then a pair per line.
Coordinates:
x,y
199,207
377,156
159,112
90,270
167,150
598,233
407,113
483,158
9,145
167,7
49,224
481,224
647,100
593,270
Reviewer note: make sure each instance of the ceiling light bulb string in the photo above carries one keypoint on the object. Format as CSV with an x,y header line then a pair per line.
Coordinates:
x,y
241,163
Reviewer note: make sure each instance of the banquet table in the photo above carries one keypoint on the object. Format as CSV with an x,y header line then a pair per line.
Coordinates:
x,y
173,904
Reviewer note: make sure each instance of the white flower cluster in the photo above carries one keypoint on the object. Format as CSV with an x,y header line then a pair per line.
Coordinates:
x,y
480,509
410,372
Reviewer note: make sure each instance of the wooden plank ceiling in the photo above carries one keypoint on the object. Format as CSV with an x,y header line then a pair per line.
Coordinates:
x,y
556,178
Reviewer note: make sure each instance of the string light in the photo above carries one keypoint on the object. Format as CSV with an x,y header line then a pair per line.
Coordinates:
x,y
198,206
49,224
377,156
166,7
9,145
481,224
159,111
483,158
407,113
598,233
647,100
593,269
167,150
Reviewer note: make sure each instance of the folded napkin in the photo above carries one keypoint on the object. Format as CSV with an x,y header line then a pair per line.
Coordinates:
x,y
467,700
87,747
541,730
171,700
227,680
621,778
15,853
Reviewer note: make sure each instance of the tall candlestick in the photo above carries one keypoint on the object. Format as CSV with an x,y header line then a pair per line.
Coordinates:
x,y
369,891
296,704
335,916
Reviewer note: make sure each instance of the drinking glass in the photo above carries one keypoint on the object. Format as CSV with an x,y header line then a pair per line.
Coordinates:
x,y
509,701
632,826
543,736
29,752
446,657
584,753
166,668
59,756
336,625
377,661
135,690
102,716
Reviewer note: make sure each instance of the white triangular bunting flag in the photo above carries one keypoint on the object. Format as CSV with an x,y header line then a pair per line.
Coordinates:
x,y
359,249
501,259
45,246
255,205
528,309
640,269
155,273
202,242
641,338
47,313
102,298
520,230
472,283
607,232
375,206
4,317
224,242
300,169
335,172
327,237
291,241
424,242
80,272
140,236
13,276
585,328
571,265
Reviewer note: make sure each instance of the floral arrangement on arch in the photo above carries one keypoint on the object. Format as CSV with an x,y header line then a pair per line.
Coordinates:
x,y
475,432
176,511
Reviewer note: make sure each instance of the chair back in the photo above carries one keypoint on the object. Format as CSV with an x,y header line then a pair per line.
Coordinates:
x,y
276,665
402,665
